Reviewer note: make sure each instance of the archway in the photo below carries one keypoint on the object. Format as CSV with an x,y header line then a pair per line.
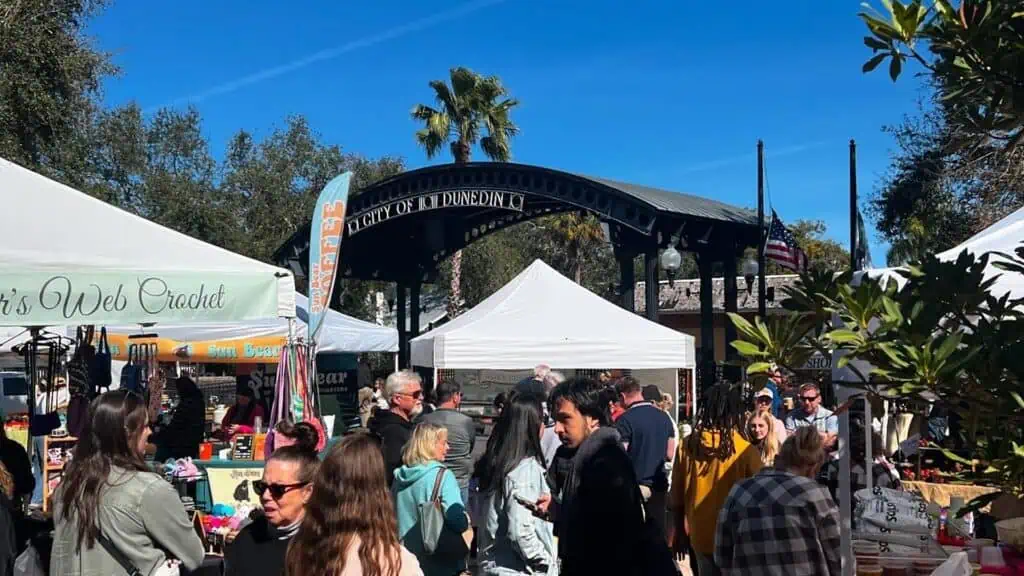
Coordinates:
x,y
400,229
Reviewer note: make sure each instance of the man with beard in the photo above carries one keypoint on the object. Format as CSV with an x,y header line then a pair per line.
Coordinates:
x,y
600,509
404,393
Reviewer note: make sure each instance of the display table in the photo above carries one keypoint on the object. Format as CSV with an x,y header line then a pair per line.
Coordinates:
x,y
941,493
230,481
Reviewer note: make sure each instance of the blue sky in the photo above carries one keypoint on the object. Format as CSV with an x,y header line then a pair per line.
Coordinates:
x,y
667,94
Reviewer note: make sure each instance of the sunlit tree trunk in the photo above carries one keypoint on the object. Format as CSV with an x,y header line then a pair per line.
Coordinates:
x,y
461,152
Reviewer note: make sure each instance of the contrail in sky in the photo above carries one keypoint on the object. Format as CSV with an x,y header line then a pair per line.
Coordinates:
x,y
330,53
722,162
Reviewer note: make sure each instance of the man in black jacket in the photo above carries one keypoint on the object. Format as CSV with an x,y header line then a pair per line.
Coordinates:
x,y
600,509
404,392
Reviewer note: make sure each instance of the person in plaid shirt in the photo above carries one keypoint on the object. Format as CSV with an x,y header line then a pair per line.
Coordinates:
x,y
781,522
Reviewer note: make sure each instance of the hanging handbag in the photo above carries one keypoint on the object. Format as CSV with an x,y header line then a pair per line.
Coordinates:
x,y
79,380
46,421
99,368
438,539
131,374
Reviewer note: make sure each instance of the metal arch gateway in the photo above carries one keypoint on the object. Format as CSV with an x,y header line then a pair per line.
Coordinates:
x,y
402,228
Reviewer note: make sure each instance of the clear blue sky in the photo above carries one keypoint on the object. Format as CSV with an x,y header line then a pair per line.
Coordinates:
x,y
666,93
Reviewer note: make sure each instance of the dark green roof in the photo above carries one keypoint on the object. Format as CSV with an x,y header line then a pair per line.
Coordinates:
x,y
683,204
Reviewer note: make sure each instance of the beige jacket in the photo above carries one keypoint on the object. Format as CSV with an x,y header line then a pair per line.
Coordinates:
x,y
354,567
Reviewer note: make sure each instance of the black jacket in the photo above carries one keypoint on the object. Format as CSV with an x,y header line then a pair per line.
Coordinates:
x,y
393,431
256,551
15,459
606,514
181,437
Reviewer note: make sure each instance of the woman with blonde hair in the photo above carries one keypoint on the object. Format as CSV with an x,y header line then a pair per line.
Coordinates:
x,y
761,429
421,480
349,528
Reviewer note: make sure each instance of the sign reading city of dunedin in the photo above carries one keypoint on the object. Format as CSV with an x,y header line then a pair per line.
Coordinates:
x,y
46,297
325,248
473,198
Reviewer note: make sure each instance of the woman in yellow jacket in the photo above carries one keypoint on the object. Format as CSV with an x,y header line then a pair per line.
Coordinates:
x,y
708,463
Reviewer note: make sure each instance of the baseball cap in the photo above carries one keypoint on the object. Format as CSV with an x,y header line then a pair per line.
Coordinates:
x,y
764,393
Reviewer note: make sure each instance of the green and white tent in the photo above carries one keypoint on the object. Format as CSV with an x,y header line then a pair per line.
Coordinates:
x,y
67,258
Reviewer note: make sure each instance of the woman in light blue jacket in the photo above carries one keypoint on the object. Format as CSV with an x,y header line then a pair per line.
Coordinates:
x,y
512,541
414,485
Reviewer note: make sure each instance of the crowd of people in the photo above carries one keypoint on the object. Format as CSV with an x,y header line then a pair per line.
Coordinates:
x,y
563,487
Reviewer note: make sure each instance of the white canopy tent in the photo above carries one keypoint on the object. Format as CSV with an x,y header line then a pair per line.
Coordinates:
x,y
340,333
1004,236
542,316
67,258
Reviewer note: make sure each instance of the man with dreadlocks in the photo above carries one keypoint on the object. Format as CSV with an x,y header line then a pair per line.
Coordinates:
x,y
708,464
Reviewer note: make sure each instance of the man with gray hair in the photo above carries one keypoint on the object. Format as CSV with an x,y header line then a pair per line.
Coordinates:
x,y
461,432
404,393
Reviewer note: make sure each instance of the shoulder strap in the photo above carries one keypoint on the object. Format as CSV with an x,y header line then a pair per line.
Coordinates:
x,y
436,496
121,559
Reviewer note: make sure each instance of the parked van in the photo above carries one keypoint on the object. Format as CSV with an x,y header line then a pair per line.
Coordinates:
x,y
13,393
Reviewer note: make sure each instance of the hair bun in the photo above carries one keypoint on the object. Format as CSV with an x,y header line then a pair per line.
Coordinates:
x,y
307,437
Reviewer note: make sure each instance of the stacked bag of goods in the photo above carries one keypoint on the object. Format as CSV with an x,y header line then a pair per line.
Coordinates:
x,y
901,522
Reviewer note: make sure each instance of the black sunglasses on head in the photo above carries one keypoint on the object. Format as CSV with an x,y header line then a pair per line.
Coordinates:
x,y
276,490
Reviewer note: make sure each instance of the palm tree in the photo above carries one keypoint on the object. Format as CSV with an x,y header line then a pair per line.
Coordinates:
x,y
576,233
913,246
472,102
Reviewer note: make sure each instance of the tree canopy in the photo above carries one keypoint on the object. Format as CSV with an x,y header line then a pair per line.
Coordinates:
x,y
957,167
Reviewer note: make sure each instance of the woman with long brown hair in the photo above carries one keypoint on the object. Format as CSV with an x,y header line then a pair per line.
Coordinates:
x,y
112,514
350,528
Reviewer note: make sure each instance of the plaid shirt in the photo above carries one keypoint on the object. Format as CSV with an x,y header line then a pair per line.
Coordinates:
x,y
777,523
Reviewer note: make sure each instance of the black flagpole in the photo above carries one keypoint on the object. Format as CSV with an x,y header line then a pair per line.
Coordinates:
x,y
854,227
761,264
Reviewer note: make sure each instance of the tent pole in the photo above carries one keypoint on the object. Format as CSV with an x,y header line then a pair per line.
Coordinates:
x,y
676,417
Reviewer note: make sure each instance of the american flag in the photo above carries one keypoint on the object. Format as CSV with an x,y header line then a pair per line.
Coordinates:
x,y
782,248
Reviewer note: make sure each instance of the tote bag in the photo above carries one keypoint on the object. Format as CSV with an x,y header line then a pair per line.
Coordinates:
x,y
438,540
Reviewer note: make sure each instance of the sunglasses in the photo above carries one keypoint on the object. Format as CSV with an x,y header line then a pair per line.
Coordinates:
x,y
808,398
415,395
763,400
276,490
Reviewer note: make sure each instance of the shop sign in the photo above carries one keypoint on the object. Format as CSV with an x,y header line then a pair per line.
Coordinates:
x,y
477,198
233,486
38,298
818,362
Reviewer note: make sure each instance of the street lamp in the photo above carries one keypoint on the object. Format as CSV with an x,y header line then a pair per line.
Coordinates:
x,y
750,270
671,260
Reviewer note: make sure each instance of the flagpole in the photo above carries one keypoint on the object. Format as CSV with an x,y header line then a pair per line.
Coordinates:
x,y
854,264
761,238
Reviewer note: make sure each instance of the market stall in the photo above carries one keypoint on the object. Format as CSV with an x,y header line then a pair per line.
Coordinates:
x,y
69,259
97,264
541,316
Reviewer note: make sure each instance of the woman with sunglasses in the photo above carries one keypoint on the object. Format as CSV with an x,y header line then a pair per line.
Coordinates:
x,y
350,527
112,514
260,548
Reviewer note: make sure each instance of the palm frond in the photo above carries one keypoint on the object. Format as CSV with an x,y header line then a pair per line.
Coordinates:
x,y
464,83
423,112
431,141
496,149
444,97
